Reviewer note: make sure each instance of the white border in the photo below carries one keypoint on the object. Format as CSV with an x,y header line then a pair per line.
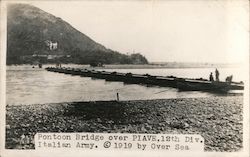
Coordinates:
x,y
9,153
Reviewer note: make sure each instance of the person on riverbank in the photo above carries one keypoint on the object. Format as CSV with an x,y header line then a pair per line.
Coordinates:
x,y
217,75
211,78
229,79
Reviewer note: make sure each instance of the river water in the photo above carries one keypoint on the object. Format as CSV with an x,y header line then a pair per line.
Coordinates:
x,y
27,85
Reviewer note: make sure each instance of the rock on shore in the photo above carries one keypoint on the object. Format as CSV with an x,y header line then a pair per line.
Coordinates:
x,y
217,119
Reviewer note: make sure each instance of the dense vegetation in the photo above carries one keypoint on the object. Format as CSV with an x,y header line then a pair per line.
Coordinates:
x,y
29,28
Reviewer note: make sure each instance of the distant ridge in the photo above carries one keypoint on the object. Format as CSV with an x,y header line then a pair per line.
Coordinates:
x,y
34,35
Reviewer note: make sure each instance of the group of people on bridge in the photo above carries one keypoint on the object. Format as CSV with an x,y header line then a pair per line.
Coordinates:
x,y
211,78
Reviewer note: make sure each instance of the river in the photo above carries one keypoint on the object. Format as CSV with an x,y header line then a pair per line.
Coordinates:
x,y
27,85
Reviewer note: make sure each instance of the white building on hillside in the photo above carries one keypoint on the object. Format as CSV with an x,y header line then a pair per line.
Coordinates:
x,y
51,45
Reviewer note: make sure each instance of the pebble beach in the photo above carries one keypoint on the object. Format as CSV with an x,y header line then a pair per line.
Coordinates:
x,y
218,120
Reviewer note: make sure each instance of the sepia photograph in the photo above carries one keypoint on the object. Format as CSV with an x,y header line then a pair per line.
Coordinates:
x,y
147,69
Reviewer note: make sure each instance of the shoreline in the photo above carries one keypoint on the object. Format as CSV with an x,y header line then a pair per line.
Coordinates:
x,y
218,119
170,65
132,100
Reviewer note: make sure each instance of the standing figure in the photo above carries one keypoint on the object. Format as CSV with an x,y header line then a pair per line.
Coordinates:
x,y
217,75
229,79
117,96
211,78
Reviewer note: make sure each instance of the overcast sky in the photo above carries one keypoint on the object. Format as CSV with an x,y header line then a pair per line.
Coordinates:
x,y
186,31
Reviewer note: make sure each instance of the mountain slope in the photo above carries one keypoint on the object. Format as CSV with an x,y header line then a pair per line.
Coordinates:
x,y
30,29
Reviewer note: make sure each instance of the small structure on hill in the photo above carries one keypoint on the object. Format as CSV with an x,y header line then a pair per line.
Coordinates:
x,y
95,64
51,45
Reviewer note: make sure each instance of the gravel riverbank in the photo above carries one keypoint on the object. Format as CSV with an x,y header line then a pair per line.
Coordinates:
x,y
217,119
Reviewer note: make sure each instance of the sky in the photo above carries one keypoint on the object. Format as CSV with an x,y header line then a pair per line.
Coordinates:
x,y
162,31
